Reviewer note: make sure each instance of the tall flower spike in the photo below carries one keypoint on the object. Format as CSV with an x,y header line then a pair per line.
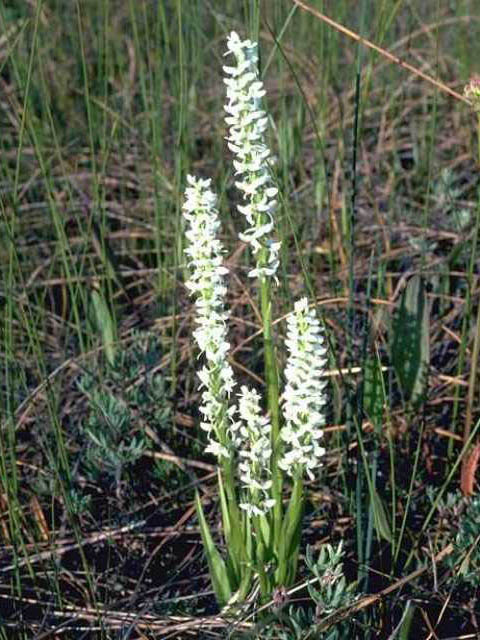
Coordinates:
x,y
248,122
251,437
204,254
304,396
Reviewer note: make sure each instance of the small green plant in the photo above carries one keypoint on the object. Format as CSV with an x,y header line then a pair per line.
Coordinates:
x,y
109,429
79,503
467,543
462,516
126,402
329,592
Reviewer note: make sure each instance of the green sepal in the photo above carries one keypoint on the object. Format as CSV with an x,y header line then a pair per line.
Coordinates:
x,y
218,571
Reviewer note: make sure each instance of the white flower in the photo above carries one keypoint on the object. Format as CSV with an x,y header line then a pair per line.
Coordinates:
x,y
251,437
304,396
206,284
248,122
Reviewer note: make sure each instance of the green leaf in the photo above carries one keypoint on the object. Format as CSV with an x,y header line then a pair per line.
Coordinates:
x,y
247,564
249,550
216,565
380,517
260,564
232,535
406,622
224,507
105,324
244,587
266,532
411,341
289,542
373,391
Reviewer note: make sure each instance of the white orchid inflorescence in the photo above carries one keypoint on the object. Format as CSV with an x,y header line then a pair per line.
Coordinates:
x,y
253,449
205,252
248,122
251,437
304,399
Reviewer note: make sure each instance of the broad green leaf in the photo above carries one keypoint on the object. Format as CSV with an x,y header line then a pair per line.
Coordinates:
x,y
245,584
233,537
216,565
266,532
293,551
380,517
406,621
260,564
248,539
224,507
289,541
294,513
411,341
247,565
105,324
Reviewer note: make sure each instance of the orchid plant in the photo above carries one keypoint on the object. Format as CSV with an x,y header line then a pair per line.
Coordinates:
x,y
257,451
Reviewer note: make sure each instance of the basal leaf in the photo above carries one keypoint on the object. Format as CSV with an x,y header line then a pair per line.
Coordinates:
x,y
380,517
373,391
411,343
216,565
105,324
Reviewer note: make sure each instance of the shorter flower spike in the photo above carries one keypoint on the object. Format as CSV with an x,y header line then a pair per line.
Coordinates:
x,y
304,397
205,253
251,437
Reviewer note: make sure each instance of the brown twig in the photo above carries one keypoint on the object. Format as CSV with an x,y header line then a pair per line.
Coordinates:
x,y
383,52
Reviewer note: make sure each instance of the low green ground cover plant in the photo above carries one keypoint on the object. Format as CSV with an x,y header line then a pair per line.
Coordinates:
x,y
124,397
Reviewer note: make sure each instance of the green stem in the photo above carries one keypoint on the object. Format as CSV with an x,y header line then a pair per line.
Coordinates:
x,y
260,563
271,378
271,373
